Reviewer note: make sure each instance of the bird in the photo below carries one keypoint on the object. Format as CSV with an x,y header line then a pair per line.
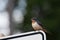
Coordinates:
x,y
1,35
37,25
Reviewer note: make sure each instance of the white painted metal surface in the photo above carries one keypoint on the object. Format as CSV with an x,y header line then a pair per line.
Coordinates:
x,y
34,35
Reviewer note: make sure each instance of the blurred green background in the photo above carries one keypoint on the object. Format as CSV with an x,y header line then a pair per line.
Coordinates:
x,y
48,12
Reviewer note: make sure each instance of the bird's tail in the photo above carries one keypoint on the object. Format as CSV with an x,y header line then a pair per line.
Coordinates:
x,y
46,31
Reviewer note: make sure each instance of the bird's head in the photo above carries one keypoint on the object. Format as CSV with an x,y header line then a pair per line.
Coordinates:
x,y
34,19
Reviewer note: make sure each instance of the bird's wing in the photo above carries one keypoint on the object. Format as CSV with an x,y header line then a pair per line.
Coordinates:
x,y
40,24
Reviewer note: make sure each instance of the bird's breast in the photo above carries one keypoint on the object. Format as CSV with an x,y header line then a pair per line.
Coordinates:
x,y
35,24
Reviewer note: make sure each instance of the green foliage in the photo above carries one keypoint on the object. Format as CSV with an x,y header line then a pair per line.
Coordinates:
x,y
50,20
